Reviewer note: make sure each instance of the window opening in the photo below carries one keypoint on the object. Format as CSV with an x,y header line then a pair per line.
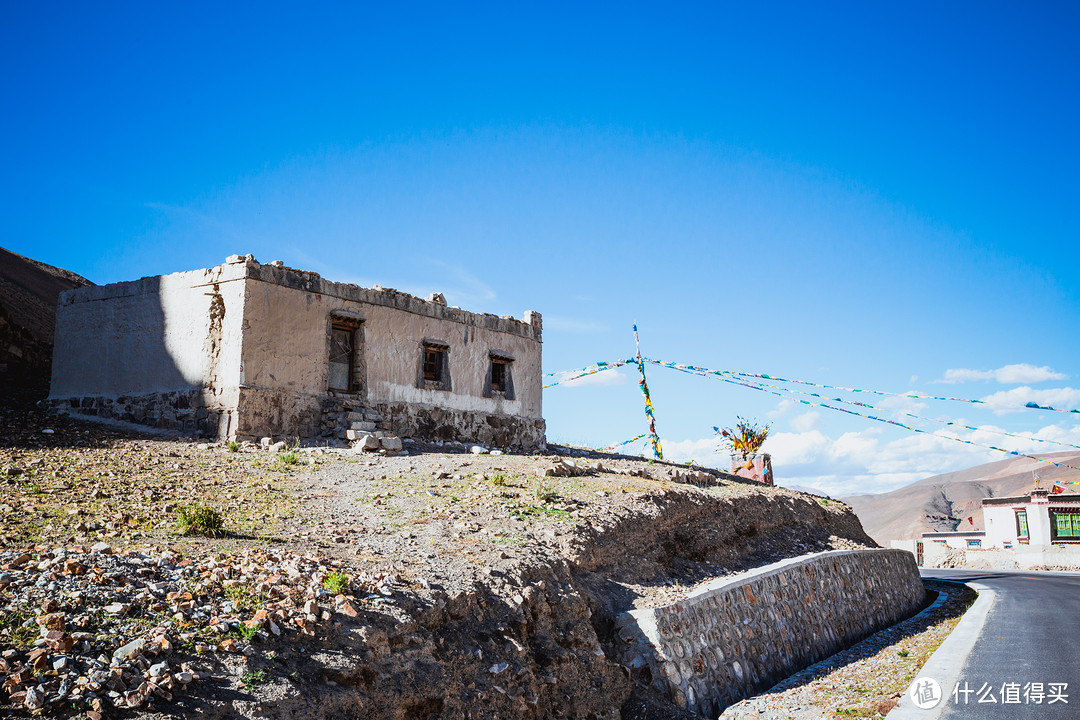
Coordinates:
x,y
433,362
1065,524
500,378
1021,525
342,357
434,370
498,375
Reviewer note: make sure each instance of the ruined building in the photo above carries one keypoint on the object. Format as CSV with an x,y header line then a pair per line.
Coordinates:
x,y
245,350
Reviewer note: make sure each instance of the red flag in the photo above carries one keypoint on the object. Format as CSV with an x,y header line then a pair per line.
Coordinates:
x,y
1057,489
971,520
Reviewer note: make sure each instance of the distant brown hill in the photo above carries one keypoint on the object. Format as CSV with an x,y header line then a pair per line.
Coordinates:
x,y
28,294
944,503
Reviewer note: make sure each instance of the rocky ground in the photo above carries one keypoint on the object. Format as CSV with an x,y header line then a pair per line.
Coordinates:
x,y
435,583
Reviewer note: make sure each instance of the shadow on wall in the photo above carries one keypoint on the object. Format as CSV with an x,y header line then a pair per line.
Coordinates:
x,y
145,352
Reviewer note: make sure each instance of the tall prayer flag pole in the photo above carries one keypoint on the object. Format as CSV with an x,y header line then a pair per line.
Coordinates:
x,y
658,451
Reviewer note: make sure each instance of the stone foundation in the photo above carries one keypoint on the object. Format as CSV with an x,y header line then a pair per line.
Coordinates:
x,y
185,411
282,414
739,635
277,413
427,422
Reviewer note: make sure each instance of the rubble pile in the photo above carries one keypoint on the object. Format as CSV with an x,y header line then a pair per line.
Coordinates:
x,y
91,628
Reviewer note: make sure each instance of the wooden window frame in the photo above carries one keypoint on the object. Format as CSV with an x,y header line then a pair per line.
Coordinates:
x,y
433,372
350,326
504,361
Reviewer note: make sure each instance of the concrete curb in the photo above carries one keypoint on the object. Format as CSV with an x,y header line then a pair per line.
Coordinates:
x,y
945,664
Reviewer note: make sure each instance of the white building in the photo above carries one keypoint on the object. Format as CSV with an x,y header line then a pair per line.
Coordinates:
x,y
1040,518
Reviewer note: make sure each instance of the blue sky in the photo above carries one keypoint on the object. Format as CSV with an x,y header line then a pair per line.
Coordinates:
x,y
865,196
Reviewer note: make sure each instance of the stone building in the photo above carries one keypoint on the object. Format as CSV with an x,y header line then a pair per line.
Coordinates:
x,y
246,350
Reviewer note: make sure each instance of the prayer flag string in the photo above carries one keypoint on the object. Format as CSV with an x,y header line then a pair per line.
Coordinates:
x,y
949,423
915,396
887,421
584,372
609,448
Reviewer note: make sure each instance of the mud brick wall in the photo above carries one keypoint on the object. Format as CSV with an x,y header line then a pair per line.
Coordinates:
x,y
740,635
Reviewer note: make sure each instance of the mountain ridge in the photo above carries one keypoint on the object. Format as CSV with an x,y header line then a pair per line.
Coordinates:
x,y
953,501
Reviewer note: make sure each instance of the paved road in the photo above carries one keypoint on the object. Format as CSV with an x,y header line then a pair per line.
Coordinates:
x,y
1031,636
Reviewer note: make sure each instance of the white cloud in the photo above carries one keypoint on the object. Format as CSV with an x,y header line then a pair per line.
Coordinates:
x,y
604,378
1065,398
807,421
783,408
1006,375
861,462
901,405
702,452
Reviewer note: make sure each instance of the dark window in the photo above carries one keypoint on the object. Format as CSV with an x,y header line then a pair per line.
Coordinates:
x,y
434,371
433,362
341,357
498,375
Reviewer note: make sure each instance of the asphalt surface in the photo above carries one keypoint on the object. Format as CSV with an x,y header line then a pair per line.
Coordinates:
x,y
1025,662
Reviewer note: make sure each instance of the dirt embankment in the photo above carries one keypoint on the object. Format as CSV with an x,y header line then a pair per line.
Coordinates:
x,y
28,294
474,585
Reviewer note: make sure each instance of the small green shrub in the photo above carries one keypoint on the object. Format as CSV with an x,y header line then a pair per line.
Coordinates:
x,y
233,446
903,653
252,679
336,583
499,479
199,519
289,458
547,494
241,597
247,632
17,628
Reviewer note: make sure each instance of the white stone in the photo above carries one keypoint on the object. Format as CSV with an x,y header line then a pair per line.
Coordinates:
x,y
368,442
132,648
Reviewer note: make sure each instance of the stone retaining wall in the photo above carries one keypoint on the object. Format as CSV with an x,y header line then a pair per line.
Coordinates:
x,y
742,634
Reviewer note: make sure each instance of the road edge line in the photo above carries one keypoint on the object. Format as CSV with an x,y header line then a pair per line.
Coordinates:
x,y
948,660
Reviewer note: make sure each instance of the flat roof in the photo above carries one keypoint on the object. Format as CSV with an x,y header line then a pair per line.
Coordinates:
x,y
973,533
1025,499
